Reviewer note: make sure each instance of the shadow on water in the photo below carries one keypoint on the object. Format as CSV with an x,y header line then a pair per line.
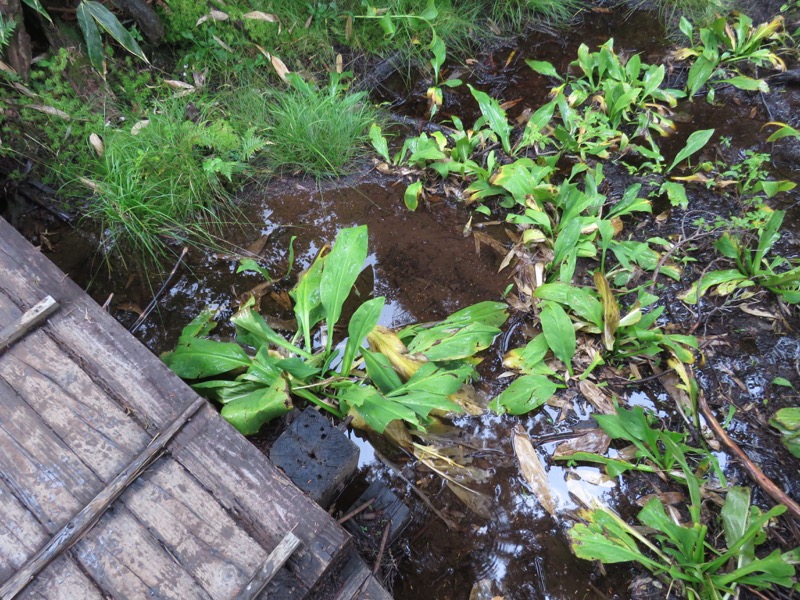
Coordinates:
x,y
426,267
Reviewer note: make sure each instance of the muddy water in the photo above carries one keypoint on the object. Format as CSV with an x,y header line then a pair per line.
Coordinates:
x,y
426,268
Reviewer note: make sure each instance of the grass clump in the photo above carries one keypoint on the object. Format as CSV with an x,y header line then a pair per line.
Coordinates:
x,y
316,130
699,12
163,180
515,14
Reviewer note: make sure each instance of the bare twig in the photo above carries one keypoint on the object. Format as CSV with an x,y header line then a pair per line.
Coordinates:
x,y
356,511
758,476
149,308
376,569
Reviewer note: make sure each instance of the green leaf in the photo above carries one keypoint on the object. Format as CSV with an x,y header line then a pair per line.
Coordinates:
x,y
308,309
709,280
114,28
251,329
544,68
340,272
428,389
495,115
37,6
376,410
773,188
735,519
381,372
630,203
461,335
248,264
196,358
412,194
700,72
579,300
676,193
694,144
361,323
379,142
787,421
747,83
249,412
782,382
523,395
91,35
559,332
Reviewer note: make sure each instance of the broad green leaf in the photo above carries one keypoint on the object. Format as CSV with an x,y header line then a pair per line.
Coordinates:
x,y
461,335
709,280
412,194
251,329
248,264
523,395
361,323
747,83
199,357
773,188
340,272
566,241
431,12
379,142
735,518
376,410
676,193
787,421
579,300
629,203
767,238
381,372
529,360
700,72
559,333
91,35
591,544
495,115
429,388
544,68
610,311
106,19
37,6
297,368
783,131
308,309
251,411
782,381
694,144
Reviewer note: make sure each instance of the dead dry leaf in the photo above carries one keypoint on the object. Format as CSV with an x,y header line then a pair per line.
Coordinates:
x,y
97,144
50,110
532,469
139,125
585,440
594,395
280,68
214,15
261,16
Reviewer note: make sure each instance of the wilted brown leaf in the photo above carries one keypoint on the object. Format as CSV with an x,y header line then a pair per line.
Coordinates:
x,y
594,395
585,440
532,469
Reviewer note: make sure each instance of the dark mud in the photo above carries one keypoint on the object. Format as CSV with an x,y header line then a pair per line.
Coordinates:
x,y
426,267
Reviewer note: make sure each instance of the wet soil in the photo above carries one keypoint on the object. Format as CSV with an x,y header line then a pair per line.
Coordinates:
x,y
426,267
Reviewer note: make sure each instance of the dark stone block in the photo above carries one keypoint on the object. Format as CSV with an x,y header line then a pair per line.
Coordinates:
x,y
386,507
316,456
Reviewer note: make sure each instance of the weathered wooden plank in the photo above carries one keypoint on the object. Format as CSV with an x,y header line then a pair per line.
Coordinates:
x,y
186,518
62,580
234,471
42,472
276,559
90,513
20,535
265,502
30,319
77,410
126,562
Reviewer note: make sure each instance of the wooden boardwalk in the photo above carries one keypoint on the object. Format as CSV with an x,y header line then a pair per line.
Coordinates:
x,y
80,401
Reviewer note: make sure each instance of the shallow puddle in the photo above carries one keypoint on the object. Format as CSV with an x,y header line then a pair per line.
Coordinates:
x,y
426,267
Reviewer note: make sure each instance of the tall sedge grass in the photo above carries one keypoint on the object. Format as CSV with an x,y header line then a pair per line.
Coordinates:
x,y
160,185
318,131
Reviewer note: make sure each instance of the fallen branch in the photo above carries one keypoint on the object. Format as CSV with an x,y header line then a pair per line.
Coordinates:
x,y
762,480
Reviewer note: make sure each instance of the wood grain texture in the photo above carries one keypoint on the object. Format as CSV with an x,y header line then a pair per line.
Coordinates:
x,y
30,319
195,528
264,574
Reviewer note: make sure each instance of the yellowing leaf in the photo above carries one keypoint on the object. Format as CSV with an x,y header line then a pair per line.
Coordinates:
x,y
610,310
